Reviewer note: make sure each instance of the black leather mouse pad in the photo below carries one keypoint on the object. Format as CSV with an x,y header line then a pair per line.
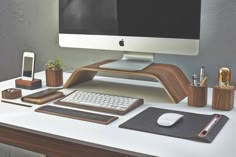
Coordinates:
x,y
187,128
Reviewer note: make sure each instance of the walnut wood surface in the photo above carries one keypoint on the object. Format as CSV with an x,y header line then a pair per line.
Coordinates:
x,y
26,84
223,98
172,78
15,93
52,147
197,95
54,78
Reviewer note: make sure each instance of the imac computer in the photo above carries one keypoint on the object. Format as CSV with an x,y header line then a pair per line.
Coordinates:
x,y
139,28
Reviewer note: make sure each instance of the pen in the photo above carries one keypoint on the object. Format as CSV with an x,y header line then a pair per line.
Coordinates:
x,y
194,79
202,73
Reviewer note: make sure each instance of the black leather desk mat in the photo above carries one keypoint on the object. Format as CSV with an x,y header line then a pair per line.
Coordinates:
x,y
75,114
187,128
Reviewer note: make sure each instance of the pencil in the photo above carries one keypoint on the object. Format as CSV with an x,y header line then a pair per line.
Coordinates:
x,y
204,81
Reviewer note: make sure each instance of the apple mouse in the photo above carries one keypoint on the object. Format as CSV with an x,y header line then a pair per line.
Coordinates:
x,y
169,119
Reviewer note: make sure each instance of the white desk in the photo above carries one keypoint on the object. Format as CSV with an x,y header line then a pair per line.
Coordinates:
x,y
111,137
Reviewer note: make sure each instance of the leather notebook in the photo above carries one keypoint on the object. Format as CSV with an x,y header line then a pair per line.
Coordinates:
x,y
43,96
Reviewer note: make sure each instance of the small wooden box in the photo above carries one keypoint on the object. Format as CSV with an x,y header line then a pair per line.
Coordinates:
x,y
26,84
197,95
11,93
223,98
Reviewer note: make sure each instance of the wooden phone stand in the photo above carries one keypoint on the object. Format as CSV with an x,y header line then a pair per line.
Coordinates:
x,y
26,84
171,77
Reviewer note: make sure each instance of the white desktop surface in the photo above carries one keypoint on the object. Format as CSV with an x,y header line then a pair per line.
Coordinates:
x,y
112,137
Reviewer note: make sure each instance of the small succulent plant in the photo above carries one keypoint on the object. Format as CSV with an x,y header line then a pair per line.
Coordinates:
x,y
55,64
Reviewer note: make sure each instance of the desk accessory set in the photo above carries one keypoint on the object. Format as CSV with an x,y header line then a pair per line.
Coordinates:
x,y
223,93
54,78
197,92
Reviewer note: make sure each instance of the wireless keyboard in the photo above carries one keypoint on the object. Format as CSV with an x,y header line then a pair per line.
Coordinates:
x,y
100,102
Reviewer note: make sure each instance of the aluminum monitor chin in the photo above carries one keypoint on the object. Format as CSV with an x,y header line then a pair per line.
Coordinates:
x,y
149,26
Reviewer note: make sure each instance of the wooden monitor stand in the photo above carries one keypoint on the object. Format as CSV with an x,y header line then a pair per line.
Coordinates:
x,y
171,77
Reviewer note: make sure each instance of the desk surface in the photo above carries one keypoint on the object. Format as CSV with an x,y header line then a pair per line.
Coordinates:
x,y
111,137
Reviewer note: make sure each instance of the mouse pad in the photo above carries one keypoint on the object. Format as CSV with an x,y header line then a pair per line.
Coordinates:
x,y
189,127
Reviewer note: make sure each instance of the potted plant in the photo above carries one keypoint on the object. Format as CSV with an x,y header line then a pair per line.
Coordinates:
x,y
54,73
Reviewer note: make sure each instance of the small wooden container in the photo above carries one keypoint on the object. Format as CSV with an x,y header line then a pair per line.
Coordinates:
x,y
54,78
11,93
197,95
223,98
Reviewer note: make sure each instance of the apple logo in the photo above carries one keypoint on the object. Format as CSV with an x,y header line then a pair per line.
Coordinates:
x,y
122,43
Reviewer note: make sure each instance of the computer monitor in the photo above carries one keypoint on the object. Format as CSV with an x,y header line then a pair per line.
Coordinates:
x,y
139,28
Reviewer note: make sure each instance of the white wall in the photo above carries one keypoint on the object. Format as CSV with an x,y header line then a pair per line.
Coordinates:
x,y
32,25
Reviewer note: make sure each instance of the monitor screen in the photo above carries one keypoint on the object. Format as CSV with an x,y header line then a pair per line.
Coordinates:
x,y
154,26
138,18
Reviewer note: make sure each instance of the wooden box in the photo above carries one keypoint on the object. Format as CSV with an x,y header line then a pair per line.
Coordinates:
x,y
11,93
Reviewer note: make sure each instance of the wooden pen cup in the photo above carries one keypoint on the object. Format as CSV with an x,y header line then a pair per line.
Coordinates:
x,y
197,95
223,98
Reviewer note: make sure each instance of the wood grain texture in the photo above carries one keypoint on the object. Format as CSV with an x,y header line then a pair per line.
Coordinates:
x,y
52,147
171,77
26,84
197,95
11,93
54,78
223,98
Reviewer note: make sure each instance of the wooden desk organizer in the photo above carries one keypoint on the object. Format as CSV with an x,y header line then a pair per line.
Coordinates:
x,y
26,84
223,98
171,77
197,95
11,93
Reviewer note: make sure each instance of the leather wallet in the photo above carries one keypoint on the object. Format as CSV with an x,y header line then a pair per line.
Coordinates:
x,y
43,96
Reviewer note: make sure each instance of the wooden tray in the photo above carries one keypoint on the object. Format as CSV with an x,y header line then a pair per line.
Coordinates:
x,y
76,114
